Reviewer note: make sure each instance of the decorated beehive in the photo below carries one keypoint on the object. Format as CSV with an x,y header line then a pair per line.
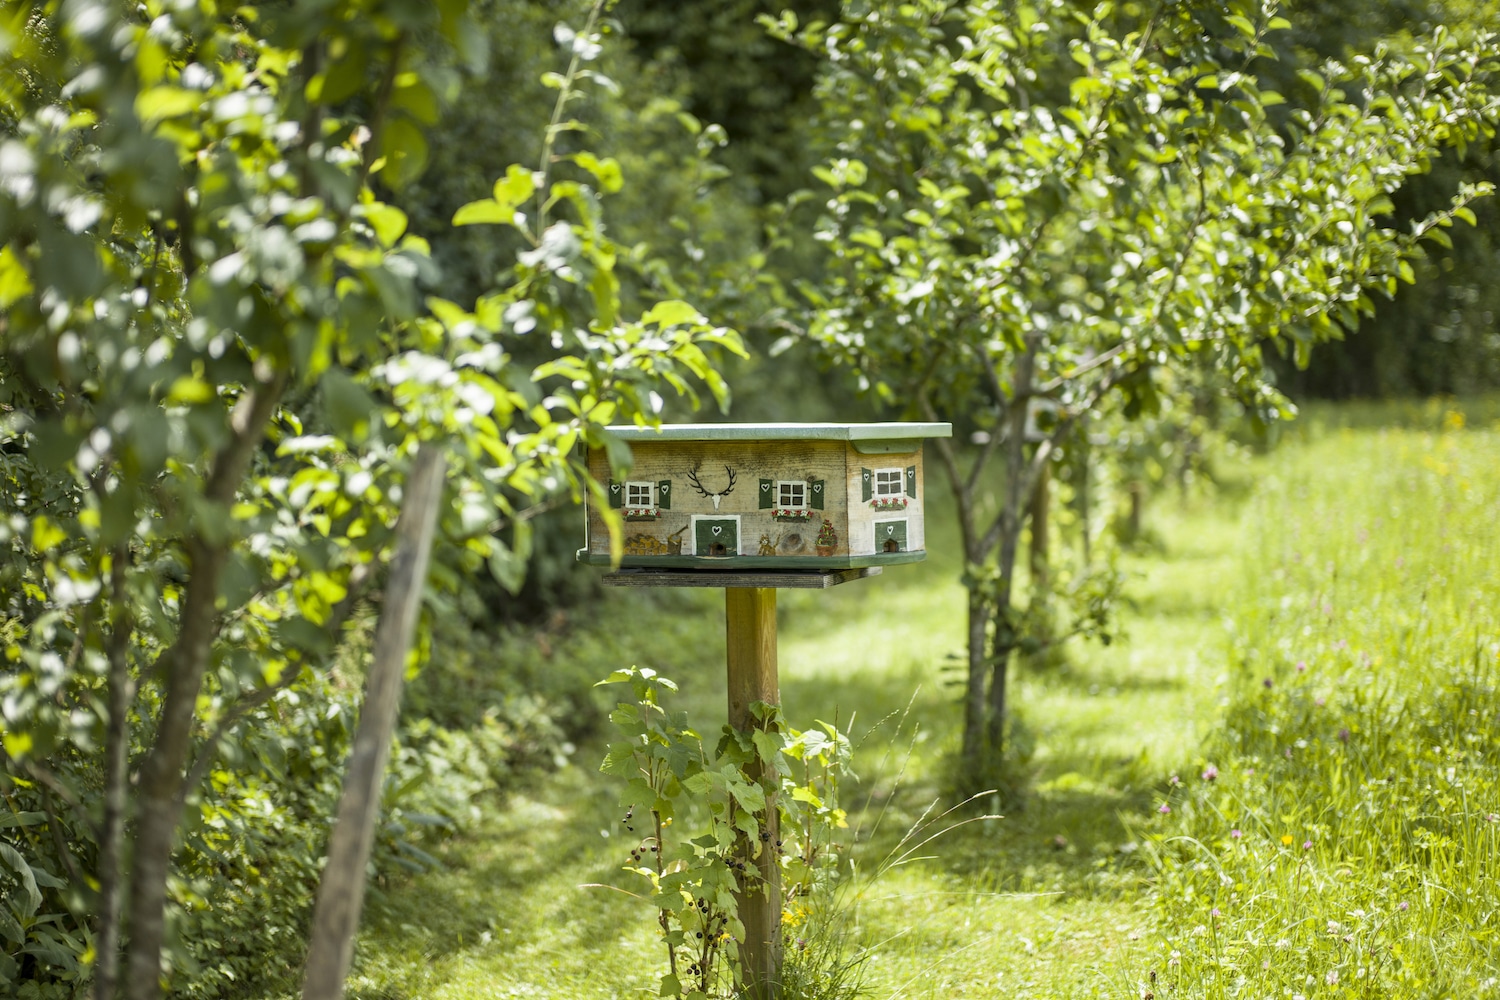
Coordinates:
x,y
772,496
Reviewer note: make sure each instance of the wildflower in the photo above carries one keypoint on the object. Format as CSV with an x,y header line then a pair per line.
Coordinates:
x,y
1301,666
1307,845
1214,912
1210,773
1343,736
1286,840
1164,809
1174,959
1235,834
1332,978
1174,781
1266,682
1403,906
1492,818
1320,702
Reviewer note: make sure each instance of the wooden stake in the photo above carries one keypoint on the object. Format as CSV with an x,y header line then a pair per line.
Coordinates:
x,y
750,632
341,891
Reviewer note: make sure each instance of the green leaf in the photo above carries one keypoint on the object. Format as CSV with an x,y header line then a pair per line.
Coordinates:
x,y
672,312
33,895
606,171
417,100
15,283
404,149
45,534
159,103
509,570
518,185
347,405
388,221
484,210
189,391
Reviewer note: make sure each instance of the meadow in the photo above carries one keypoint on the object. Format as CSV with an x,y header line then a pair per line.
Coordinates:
x,y
1280,782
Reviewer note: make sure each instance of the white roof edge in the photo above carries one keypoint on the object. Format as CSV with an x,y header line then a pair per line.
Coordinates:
x,y
893,430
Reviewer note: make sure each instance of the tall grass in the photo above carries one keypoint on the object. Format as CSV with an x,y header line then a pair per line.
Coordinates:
x,y
1339,836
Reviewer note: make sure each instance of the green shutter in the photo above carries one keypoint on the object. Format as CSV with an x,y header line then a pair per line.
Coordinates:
x,y
664,494
616,494
911,481
815,494
767,494
867,483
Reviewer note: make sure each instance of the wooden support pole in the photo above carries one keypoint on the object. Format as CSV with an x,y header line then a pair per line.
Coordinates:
x,y
341,891
750,632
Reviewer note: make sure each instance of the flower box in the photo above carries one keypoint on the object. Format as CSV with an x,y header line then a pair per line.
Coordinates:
x,y
642,513
889,503
792,514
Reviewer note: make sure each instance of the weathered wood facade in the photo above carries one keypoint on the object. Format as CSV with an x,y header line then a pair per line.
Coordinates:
x,y
768,496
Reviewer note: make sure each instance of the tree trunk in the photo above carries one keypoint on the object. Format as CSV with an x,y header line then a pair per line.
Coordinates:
x,y
1084,512
159,805
974,703
341,891
121,692
1010,523
1137,510
1041,501
159,791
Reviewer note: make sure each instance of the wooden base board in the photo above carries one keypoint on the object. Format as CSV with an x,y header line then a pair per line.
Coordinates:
x,y
802,580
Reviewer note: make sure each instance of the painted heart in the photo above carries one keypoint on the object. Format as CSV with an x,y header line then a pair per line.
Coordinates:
x,y
765,486
717,529
890,529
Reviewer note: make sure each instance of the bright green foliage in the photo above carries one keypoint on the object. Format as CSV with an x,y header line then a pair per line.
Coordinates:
x,y
692,875
1063,200
217,353
1342,830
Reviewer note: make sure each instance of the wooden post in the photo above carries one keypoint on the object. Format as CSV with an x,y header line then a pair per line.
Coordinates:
x,y
341,891
750,632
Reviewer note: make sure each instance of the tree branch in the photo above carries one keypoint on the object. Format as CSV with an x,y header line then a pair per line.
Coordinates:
x,y
248,703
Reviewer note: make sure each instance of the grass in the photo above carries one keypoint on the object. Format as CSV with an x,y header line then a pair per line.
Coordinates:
x,y
1353,531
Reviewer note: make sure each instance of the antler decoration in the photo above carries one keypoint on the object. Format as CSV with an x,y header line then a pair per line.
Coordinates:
x,y
692,477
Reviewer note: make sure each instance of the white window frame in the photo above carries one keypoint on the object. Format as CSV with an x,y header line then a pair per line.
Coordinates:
x,y
798,484
883,478
650,489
